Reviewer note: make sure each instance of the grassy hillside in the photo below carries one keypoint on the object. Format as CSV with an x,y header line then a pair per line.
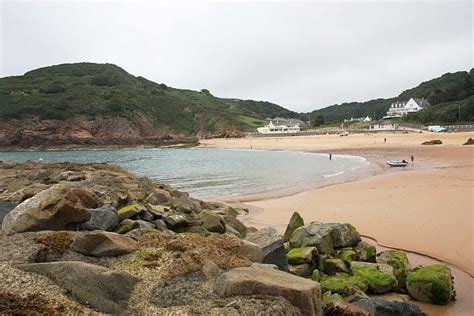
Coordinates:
x,y
104,90
445,93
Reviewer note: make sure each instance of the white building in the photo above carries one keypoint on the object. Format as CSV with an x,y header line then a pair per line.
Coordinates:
x,y
402,108
358,119
273,128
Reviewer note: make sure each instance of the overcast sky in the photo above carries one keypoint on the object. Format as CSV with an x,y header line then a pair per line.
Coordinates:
x,y
301,55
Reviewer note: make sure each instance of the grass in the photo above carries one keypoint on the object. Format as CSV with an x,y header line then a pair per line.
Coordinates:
x,y
94,91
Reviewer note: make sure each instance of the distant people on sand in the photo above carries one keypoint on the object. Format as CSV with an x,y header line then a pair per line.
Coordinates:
x,y
330,156
412,158
384,140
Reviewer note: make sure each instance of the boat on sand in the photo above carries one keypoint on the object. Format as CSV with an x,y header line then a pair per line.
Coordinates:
x,y
397,163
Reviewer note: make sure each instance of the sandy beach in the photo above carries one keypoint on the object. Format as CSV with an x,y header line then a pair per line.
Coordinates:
x,y
426,208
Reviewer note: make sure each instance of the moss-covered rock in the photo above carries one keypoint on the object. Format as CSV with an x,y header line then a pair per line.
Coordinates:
x,y
432,284
295,221
344,235
124,226
399,261
365,251
303,270
128,211
302,255
314,234
348,255
328,298
341,281
379,277
332,266
315,276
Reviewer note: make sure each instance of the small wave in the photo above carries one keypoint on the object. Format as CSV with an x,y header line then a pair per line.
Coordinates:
x,y
333,174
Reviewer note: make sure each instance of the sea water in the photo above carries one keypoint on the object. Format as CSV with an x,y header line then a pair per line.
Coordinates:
x,y
212,173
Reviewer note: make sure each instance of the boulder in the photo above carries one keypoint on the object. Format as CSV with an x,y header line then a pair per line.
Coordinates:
x,y
302,293
57,208
431,284
470,141
102,289
180,220
399,262
251,251
315,275
129,211
124,226
209,268
272,247
160,225
378,306
232,221
302,255
348,255
212,222
341,281
104,244
432,142
186,205
341,308
8,164
365,251
5,208
333,266
143,224
295,221
352,294
314,234
304,270
329,298
159,197
344,235
379,277
103,218
147,216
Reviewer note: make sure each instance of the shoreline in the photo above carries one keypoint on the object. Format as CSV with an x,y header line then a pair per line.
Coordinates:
x,y
438,169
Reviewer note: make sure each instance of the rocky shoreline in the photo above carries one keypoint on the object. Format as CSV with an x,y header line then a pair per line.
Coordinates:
x,y
85,238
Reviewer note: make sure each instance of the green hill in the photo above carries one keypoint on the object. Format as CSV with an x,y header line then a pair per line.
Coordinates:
x,y
92,91
447,94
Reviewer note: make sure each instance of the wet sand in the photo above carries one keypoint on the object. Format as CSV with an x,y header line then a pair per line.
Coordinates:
x,y
426,208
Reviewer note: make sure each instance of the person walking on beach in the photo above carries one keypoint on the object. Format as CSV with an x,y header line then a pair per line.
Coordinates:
x,y
384,140
412,158
330,156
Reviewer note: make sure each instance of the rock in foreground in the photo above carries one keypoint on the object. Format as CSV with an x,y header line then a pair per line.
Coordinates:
x,y
303,293
104,244
432,284
103,289
56,208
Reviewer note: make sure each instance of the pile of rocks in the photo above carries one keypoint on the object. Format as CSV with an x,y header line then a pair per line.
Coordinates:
x,y
111,242
348,268
102,197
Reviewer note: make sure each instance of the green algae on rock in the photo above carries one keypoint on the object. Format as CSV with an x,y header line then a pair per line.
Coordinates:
x,y
379,277
341,281
302,255
399,261
328,298
295,221
431,284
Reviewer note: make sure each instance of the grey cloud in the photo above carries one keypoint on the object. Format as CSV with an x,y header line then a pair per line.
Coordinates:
x,y
302,55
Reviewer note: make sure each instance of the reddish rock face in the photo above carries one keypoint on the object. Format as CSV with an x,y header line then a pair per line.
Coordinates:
x,y
81,132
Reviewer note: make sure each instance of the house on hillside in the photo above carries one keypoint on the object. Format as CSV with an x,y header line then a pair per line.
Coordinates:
x,y
359,119
402,108
281,125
